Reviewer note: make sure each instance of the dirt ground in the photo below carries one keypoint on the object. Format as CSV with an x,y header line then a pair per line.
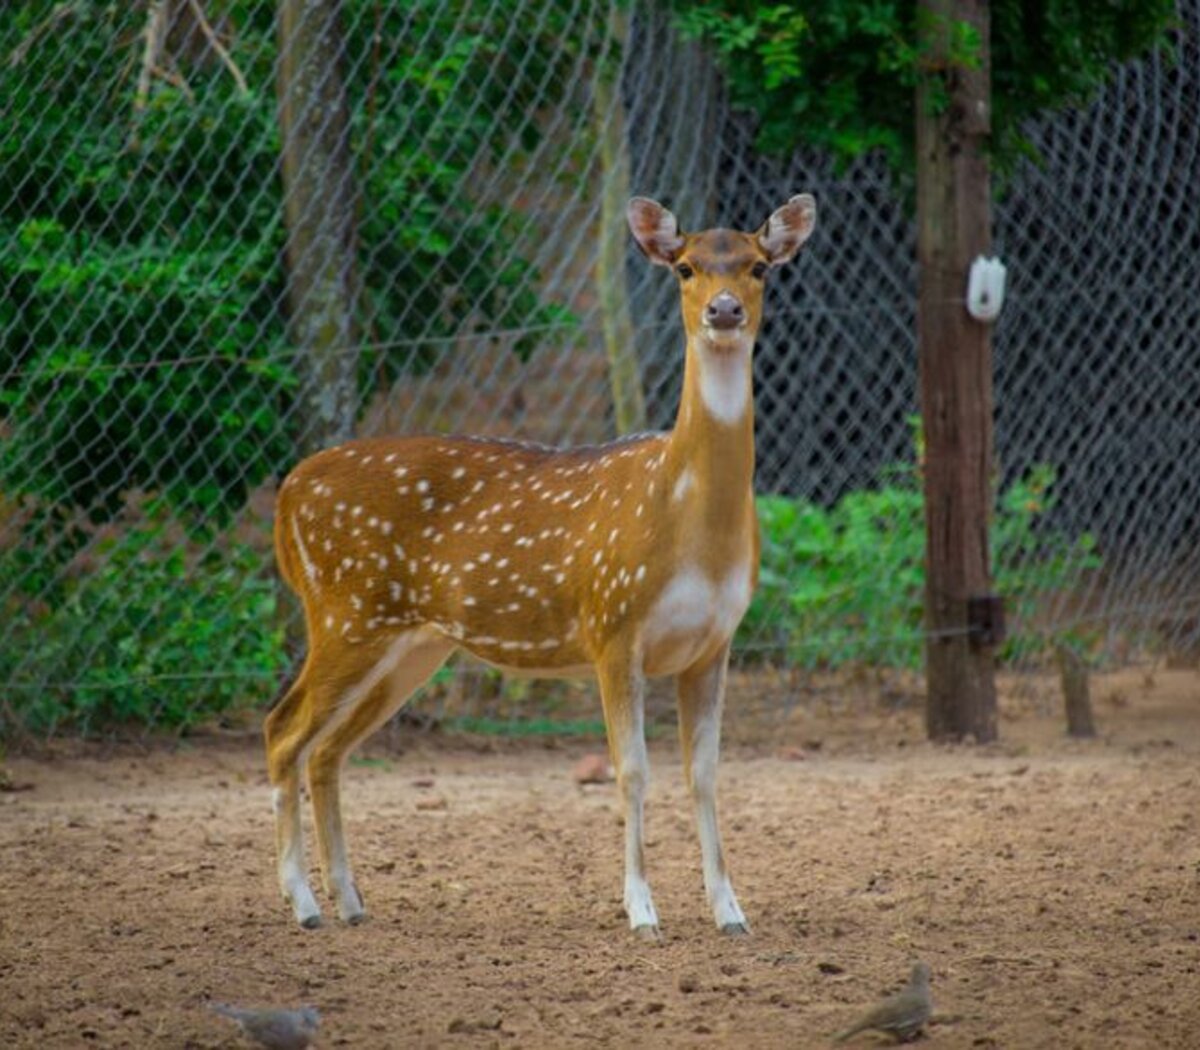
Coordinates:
x,y
1052,885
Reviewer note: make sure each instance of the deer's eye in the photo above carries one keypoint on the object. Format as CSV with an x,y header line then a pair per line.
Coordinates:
x,y
759,270
684,271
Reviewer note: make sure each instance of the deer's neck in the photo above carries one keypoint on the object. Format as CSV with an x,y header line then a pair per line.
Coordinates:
x,y
711,449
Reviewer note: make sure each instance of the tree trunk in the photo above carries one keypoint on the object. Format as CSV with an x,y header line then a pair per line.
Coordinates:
x,y
953,218
608,116
319,201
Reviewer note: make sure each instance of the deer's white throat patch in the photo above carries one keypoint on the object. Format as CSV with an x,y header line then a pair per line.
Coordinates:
x,y
725,378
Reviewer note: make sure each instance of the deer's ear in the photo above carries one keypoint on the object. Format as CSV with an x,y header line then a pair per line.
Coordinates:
x,y
788,228
655,229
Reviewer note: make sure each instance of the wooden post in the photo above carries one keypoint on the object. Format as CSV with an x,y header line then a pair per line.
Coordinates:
x,y
954,226
1077,697
320,209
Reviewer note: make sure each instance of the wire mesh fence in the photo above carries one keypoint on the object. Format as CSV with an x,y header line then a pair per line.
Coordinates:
x,y
183,318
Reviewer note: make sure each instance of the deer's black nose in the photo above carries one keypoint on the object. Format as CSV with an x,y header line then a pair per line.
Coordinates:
x,y
724,312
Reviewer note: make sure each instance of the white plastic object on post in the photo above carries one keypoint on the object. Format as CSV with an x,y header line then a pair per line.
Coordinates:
x,y
985,288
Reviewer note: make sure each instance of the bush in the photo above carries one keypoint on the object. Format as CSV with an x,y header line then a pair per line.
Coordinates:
x,y
845,585
147,629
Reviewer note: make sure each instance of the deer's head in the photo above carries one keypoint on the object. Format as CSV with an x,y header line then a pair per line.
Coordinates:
x,y
722,273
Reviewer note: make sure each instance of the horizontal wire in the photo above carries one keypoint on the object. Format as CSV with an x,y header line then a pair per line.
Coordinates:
x,y
292,354
1042,632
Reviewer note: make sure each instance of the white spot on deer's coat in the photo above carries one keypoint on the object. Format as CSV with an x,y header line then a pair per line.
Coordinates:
x,y
310,567
683,485
422,485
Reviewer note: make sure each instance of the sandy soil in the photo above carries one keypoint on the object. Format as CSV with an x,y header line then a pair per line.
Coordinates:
x,y
1053,886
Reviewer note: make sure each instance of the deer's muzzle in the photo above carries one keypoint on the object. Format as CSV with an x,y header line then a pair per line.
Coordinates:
x,y
725,312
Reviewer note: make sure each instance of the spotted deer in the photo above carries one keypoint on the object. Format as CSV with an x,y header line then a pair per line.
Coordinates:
x,y
626,560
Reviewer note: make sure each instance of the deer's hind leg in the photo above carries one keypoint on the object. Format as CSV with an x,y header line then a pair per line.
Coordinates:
x,y
335,680
408,665
289,727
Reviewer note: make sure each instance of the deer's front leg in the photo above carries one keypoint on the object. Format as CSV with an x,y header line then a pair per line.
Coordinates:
x,y
701,700
622,690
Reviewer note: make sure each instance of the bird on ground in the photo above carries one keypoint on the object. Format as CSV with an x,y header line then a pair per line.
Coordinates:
x,y
902,1015
275,1029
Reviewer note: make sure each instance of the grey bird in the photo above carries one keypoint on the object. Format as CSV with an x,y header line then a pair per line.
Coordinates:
x,y
275,1029
902,1015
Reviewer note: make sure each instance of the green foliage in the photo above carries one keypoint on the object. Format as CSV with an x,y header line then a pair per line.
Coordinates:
x,y
458,110
841,74
845,585
147,630
139,273
143,325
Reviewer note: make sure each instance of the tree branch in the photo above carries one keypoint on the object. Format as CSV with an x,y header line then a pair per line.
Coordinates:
x,y
155,35
222,53
61,11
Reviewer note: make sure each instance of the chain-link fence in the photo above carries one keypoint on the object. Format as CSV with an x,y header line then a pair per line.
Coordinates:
x,y
177,334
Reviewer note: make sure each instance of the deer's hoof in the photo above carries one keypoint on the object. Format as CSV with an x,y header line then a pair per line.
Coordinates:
x,y
735,929
351,909
648,933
